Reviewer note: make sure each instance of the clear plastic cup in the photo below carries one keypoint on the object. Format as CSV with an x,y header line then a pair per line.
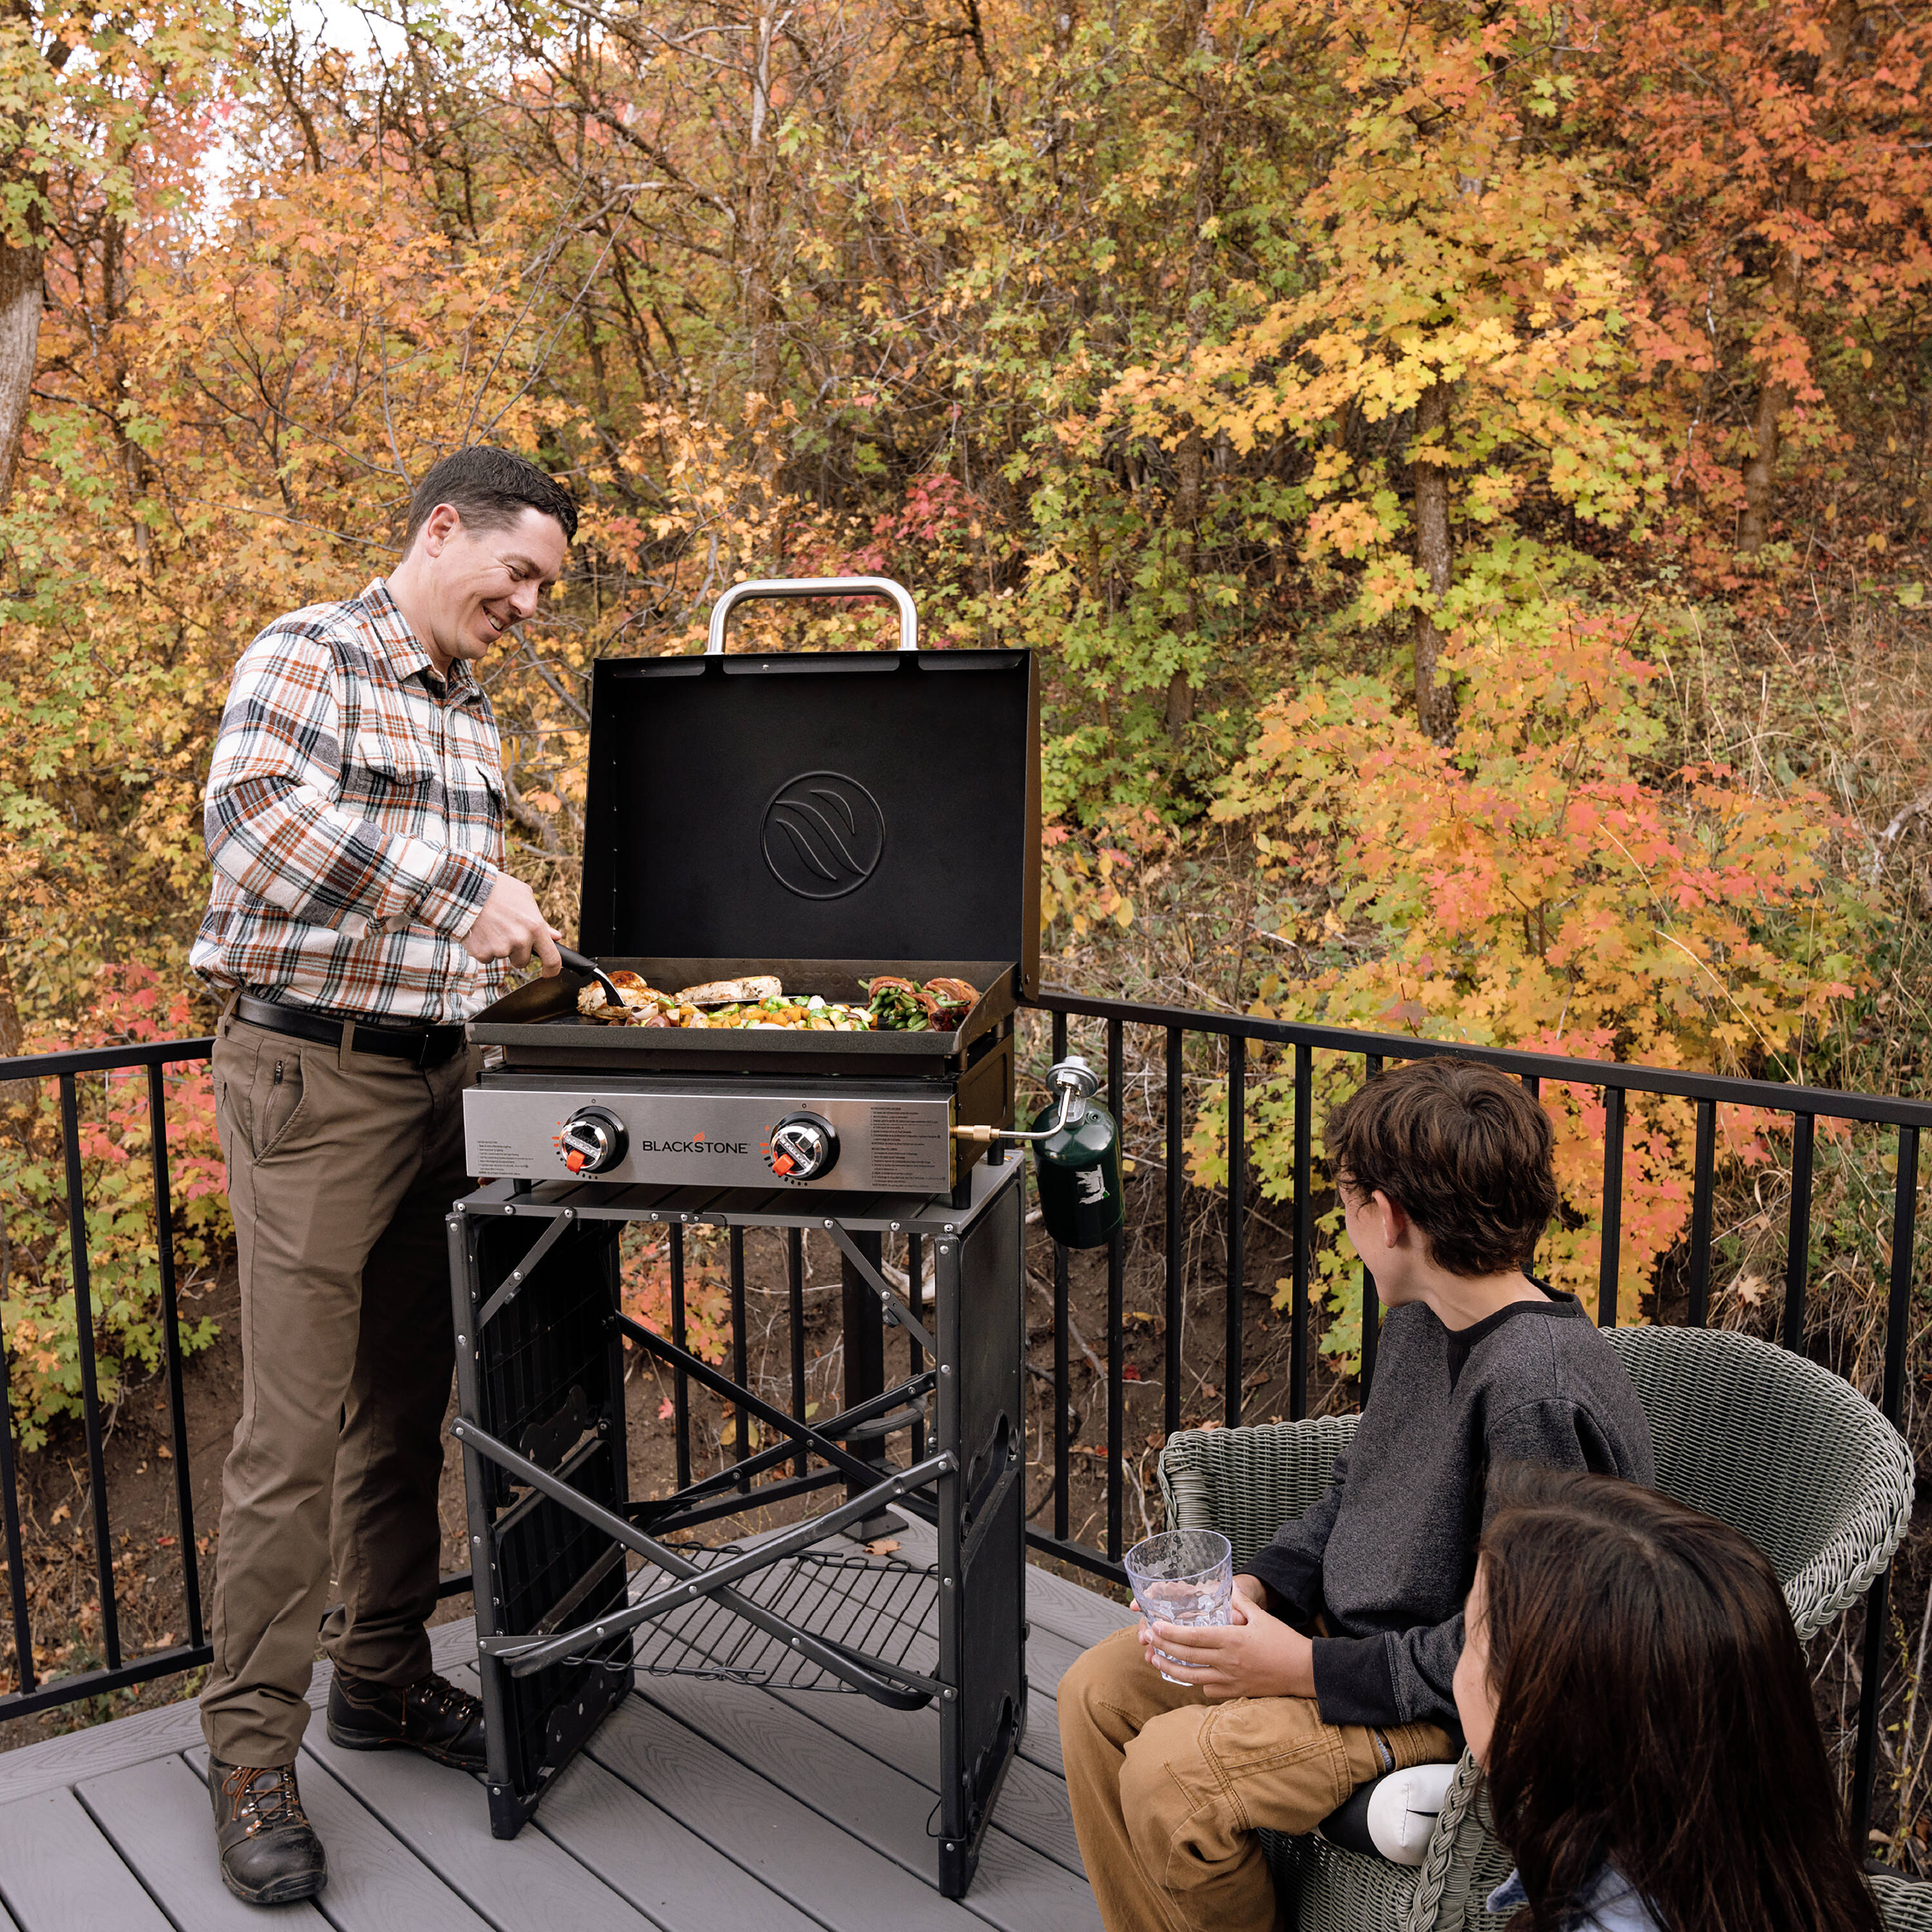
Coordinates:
x,y
1182,1576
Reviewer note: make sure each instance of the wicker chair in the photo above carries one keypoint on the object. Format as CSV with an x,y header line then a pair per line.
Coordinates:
x,y
1764,1439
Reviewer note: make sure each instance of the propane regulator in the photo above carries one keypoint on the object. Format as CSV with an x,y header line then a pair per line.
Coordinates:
x,y
1076,1145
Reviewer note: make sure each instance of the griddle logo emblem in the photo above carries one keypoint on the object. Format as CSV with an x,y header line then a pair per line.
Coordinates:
x,y
823,834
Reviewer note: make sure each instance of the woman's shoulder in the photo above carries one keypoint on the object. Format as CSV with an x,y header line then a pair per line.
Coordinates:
x,y
1609,1904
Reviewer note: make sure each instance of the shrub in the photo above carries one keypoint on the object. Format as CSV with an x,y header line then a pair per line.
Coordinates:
x,y
37,1314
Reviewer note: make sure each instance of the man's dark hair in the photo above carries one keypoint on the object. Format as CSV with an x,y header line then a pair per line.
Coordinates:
x,y
1462,1150
489,488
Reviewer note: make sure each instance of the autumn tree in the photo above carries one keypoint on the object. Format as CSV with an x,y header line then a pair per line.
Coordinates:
x,y
1773,179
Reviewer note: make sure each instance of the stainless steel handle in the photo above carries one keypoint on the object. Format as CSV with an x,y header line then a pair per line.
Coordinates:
x,y
813,586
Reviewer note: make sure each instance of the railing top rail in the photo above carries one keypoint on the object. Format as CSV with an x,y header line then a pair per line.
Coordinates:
x,y
1830,1102
104,1059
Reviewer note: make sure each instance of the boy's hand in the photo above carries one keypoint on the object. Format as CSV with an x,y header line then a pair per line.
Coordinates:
x,y
1256,1655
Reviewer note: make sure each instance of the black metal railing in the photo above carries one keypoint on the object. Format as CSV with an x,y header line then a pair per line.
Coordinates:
x,y
1804,1105
118,1672
1175,1027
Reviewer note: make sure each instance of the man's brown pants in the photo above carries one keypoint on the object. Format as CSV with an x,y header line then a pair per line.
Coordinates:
x,y
341,1169
1169,1790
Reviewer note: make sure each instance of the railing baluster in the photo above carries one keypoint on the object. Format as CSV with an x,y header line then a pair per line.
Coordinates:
x,y
1613,1206
795,1296
1798,1252
680,1387
1237,1215
1704,1163
915,1354
1116,1341
1063,1373
90,1392
1891,1404
10,1504
164,1238
1304,1230
1371,1303
741,1434
1177,1256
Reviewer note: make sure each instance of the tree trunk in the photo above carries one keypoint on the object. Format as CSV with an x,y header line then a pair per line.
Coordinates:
x,y
1434,703
1761,468
1187,515
760,307
20,298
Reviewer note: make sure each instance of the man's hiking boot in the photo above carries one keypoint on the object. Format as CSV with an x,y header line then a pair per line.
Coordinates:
x,y
430,1716
270,1855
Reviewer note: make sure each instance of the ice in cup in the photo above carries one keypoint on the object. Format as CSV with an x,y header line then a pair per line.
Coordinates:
x,y
1182,1576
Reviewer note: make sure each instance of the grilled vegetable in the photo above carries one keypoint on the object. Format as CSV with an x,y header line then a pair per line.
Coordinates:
x,y
896,1005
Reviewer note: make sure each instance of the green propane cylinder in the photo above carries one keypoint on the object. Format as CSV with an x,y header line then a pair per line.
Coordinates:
x,y
1078,1148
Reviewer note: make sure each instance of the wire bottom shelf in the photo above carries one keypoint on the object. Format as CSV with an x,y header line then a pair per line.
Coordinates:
x,y
876,1607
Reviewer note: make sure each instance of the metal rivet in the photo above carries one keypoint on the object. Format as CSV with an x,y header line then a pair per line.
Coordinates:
x,y
947,1581
896,1227
463,1341
477,1540
828,1224
946,1368
509,1206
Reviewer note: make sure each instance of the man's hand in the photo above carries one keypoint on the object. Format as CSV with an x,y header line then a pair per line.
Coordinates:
x,y
1256,1655
510,927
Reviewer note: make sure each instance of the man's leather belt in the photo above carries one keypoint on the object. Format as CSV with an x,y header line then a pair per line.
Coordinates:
x,y
422,1046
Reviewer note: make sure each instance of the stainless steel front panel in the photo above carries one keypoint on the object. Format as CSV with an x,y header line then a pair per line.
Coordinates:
x,y
698,1139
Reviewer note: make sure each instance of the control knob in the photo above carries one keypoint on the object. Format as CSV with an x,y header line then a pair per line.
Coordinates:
x,y
591,1140
802,1147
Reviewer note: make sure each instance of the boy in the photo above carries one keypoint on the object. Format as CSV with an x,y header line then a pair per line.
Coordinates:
x,y
1339,1665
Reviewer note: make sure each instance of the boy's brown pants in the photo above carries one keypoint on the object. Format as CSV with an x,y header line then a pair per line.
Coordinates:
x,y
1169,1790
341,1168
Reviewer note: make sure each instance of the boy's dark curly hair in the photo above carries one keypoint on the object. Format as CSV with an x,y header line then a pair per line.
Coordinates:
x,y
1462,1150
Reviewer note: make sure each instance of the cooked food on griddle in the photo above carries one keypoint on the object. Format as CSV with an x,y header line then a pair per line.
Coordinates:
x,y
732,992
904,1005
814,1014
898,1005
637,996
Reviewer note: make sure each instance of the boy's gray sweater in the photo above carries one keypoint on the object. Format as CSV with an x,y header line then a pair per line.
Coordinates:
x,y
1386,1558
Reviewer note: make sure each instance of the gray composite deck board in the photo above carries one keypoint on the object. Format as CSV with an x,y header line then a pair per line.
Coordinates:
x,y
524,1884
1032,1805
58,1873
767,1832
699,1803
1016,1888
157,1816
665,1870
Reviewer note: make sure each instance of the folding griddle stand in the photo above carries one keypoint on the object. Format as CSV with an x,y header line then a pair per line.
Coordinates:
x,y
561,1626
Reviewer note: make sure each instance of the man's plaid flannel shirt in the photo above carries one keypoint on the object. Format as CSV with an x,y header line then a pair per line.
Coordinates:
x,y
355,816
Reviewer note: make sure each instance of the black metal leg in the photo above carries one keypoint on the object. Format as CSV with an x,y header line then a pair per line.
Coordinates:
x,y
865,1363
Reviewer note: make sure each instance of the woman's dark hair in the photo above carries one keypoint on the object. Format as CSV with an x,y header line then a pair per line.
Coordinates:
x,y
1653,1711
1462,1150
488,488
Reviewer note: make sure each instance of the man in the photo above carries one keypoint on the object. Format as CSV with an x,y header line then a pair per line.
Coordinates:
x,y
360,913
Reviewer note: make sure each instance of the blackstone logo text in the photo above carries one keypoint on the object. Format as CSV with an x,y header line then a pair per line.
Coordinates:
x,y
699,1146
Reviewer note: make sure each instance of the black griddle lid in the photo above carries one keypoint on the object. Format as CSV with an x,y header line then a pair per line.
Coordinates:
x,y
837,805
